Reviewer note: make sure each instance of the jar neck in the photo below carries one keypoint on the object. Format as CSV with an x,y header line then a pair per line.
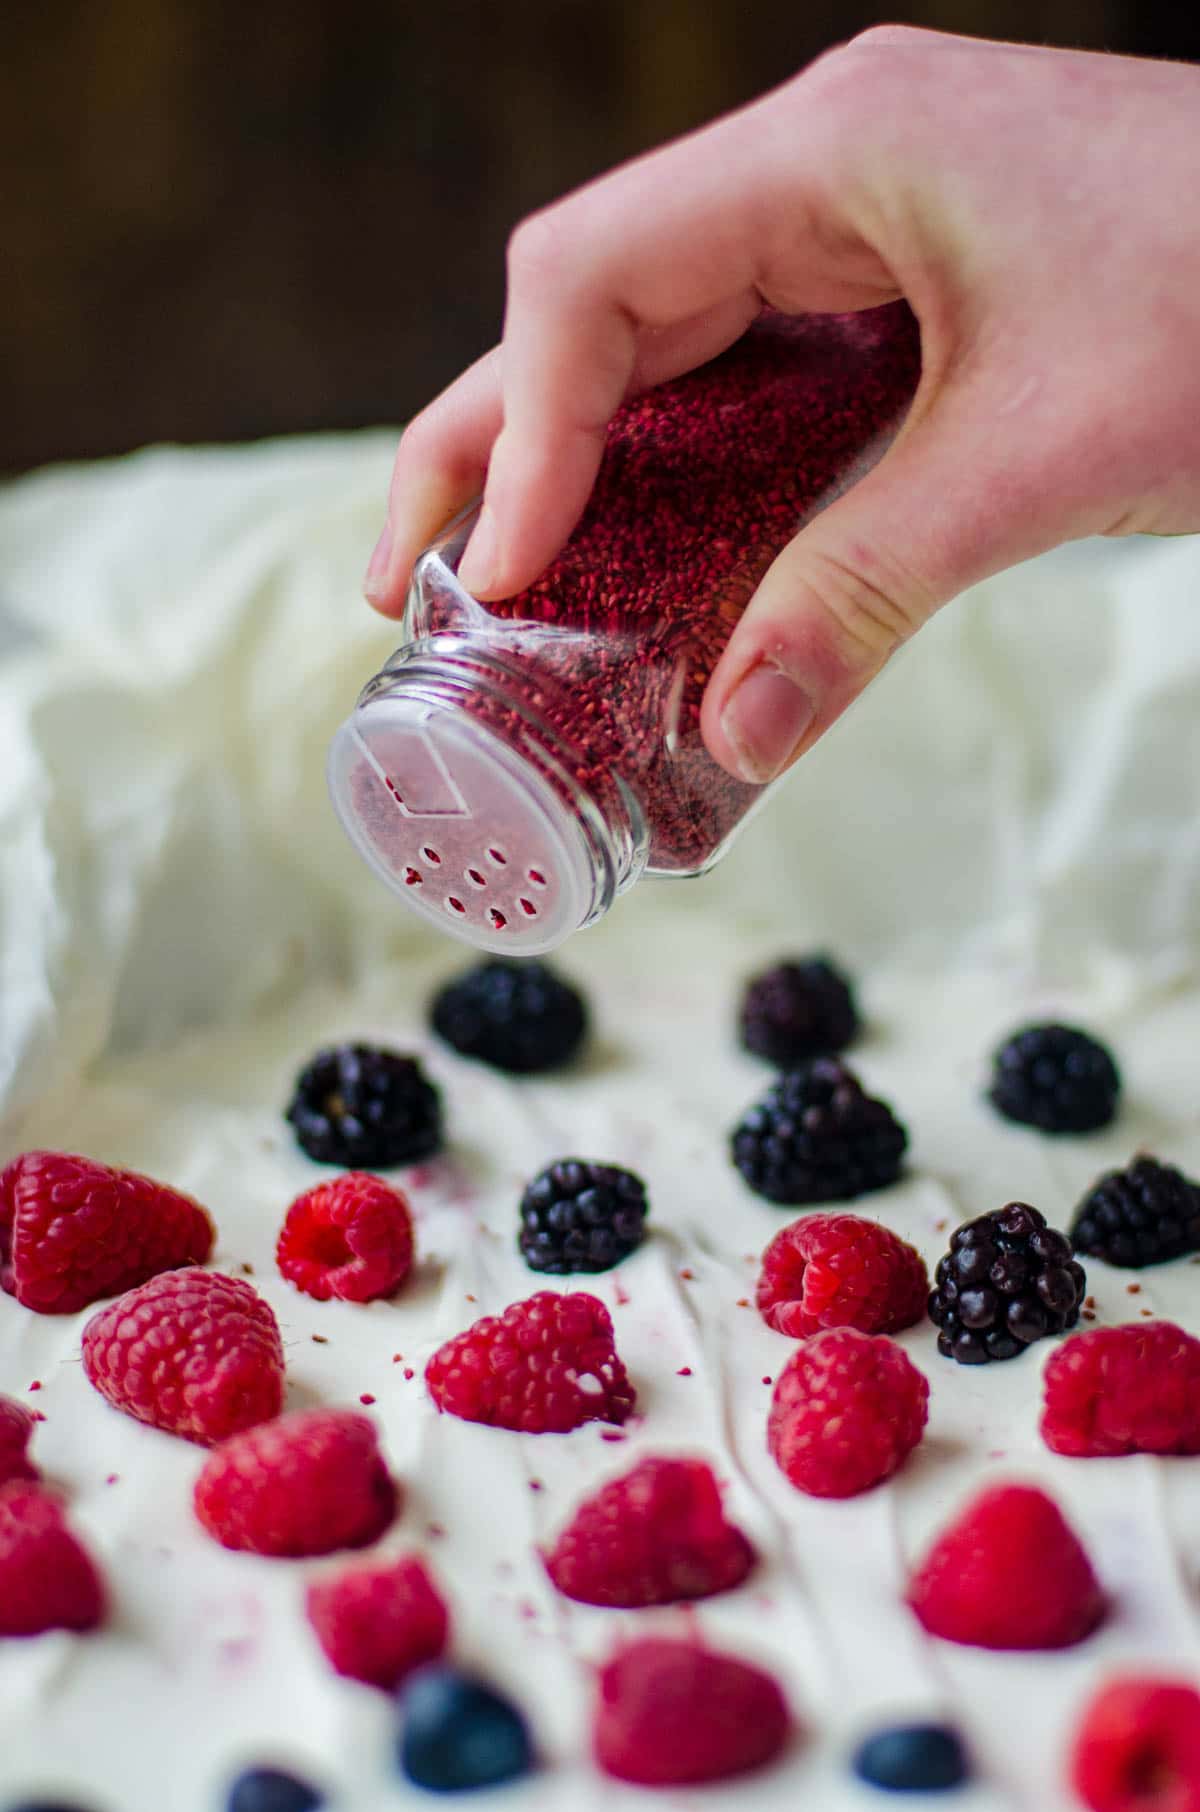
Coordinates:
x,y
453,672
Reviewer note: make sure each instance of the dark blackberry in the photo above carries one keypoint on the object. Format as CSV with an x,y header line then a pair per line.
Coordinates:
x,y
1007,1279
798,1010
816,1137
365,1108
1056,1078
517,1016
581,1217
1142,1215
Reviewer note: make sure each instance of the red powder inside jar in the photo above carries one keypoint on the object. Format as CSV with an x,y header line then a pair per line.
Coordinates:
x,y
589,684
704,481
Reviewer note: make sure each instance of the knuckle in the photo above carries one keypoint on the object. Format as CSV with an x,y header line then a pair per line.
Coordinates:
x,y
872,604
889,37
537,251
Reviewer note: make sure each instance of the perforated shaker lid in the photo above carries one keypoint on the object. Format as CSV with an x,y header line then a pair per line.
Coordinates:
x,y
457,823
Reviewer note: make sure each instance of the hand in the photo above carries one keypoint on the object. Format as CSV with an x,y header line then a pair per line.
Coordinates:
x,y
1038,210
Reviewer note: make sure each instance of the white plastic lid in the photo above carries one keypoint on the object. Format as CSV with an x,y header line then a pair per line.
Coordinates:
x,y
457,823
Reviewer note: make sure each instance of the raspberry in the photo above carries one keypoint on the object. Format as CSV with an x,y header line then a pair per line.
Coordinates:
x,y
839,1271
16,1428
798,1010
817,1137
191,1352
309,1483
847,1410
360,1106
581,1217
546,1365
351,1238
673,1714
1007,1280
1056,1078
377,1623
1143,1215
1137,1748
47,1578
72,1231
654,1536
1133,1389
517,1016
1008,1573
459,1733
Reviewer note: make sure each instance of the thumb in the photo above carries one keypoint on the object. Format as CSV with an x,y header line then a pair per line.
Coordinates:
x,y
938,513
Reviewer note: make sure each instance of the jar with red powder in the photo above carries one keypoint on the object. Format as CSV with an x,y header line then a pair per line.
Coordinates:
x,y
517,765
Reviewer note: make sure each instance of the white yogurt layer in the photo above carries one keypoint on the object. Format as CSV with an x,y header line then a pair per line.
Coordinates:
x,y
208,1663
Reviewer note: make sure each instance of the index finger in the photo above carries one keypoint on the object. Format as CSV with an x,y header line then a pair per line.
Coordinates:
x,y
705,231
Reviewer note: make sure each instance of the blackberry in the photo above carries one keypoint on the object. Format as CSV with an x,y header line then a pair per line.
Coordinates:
x,y
1007,1279
1142,1215
798,1010
517,1016
817,1137
1056,1078
581,1217
365,1108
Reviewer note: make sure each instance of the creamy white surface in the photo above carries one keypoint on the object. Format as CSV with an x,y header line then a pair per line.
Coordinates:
x,y
1007,828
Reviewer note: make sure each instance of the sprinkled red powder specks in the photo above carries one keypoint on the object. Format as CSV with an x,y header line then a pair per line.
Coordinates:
x,y
409,1372
36,1385
367,1399
685,1371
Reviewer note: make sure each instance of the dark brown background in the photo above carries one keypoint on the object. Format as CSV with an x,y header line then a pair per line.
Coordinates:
x,y
226,218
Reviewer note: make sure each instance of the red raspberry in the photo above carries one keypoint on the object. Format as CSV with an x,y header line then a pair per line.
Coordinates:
x,y
847,1410
16,1427
72,1231
377,1623
1138,1748
671,1714
841,1271
351,1238
1121,1390
1009,1572
544,1366
47,1578
309,1483
653,1536
191,1352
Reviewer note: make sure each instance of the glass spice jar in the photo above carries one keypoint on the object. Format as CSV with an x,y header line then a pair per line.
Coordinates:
x,y
517,765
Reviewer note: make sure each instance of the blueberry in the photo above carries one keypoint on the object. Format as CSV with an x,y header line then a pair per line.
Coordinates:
x,y
270,1790
42,1805
912,1758
459,1734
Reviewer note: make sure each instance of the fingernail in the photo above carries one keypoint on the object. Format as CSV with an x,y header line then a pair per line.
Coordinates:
x,y
478,564
377,566
764,722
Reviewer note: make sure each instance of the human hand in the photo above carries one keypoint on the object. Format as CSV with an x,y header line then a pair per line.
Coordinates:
x,y
1037,209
